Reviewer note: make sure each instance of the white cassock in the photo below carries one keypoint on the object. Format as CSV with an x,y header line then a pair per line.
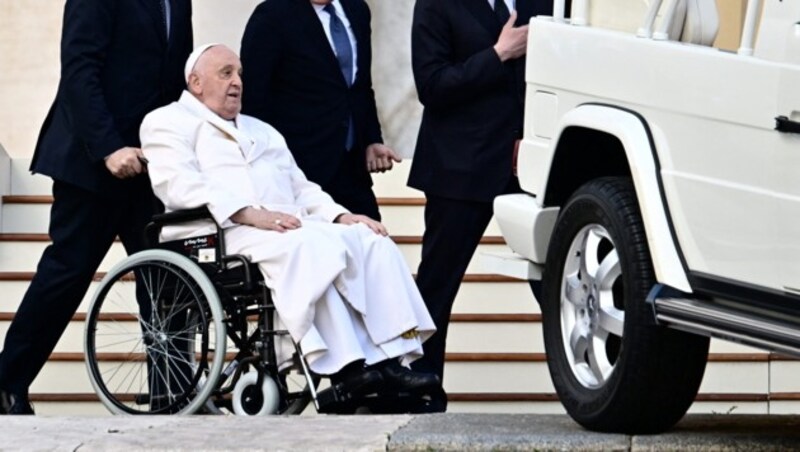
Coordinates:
x,y
343,292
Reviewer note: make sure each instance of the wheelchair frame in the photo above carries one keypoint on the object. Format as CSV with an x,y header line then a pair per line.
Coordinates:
x,y
227,293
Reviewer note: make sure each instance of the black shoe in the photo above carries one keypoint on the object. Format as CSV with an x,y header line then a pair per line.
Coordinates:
x,y
357,384
434,402
14,404
434,405
399,378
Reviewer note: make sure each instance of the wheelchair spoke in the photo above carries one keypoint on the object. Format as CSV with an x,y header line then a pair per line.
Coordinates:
x,y
127,376
152,377
148,285
188,329
114,344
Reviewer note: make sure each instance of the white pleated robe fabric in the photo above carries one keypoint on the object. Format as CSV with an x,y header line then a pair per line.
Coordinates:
x,y
343,292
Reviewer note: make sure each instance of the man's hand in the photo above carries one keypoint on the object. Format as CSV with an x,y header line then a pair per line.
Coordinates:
x,y
380,157
126,162
266,219
349,218
513,41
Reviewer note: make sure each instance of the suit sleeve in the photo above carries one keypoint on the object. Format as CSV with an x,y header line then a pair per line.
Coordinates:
x,y
179,84
85,42
261,52
372,127
441,80
175,174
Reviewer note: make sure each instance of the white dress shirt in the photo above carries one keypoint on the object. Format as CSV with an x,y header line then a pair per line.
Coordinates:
x,y
511,4
325,18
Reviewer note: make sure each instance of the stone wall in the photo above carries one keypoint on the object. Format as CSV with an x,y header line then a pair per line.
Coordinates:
x,y
29,37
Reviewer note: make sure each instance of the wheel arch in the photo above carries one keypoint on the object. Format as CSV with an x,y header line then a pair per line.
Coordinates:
x,y
618,142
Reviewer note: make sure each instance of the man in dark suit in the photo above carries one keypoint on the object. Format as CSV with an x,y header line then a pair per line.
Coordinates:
x,y
120,59
468,61
307,70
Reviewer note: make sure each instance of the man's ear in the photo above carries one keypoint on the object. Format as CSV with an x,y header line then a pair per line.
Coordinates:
x,y
194,85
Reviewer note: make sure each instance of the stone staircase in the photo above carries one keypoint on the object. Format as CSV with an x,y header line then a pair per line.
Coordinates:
x,y
495,360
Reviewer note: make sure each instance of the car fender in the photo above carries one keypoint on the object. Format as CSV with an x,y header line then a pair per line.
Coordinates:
x,y
640,146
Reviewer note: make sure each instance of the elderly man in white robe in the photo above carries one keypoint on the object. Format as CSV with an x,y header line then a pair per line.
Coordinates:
x,y
340,285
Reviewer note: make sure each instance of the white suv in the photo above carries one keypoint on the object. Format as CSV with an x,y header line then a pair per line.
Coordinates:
x,y
661,201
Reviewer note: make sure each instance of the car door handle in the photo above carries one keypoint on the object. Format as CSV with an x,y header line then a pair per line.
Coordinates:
x,y
786,125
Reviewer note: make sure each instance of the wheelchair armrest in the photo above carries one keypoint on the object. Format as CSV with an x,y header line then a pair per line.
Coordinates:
x,y
153,229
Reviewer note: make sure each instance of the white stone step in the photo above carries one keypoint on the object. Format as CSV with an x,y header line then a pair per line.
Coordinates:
x,y
514,384
399,217
473,298
394,183
70,409
464,337
497,377
23,256
25,183
538,407
25,218
500,375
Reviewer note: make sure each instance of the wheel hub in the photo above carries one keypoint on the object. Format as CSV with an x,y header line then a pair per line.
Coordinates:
x,y
152,338
589,316
252,399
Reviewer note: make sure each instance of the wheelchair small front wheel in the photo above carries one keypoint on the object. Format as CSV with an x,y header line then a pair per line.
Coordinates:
x,y
155,337
252,399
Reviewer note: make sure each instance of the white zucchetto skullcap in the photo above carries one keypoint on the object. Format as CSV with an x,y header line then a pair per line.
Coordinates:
x,y
194,56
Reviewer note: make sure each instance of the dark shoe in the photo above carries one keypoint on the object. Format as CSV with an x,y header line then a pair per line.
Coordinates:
x,y
433,402
425,406
399,378
354,385
14,404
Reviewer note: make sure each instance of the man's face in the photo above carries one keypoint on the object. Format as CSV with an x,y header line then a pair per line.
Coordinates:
x,y
219,82
321,2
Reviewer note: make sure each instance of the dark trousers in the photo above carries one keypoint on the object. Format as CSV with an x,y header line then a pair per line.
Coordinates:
x,y
453,230
351,189
83,226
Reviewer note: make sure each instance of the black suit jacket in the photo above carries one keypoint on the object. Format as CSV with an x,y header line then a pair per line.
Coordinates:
x,y
292,81
473,102
116,66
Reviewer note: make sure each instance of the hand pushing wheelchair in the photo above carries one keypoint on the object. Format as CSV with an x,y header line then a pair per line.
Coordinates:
x,y
158,325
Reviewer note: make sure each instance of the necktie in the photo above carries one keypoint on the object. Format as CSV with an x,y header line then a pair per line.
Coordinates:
x,y
344,54
341,43
501,11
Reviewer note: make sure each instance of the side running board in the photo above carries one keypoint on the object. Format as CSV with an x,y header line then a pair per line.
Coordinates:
x,y
723,320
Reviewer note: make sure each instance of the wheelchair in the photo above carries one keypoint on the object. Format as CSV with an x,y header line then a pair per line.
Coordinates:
x,y
158,328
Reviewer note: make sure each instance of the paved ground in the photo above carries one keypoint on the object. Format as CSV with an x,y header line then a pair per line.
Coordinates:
x,y
474,432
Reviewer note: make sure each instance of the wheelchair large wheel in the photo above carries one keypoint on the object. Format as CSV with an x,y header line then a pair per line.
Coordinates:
x,y
152,334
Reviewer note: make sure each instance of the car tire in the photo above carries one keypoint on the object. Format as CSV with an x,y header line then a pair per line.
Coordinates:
x,y
613,368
